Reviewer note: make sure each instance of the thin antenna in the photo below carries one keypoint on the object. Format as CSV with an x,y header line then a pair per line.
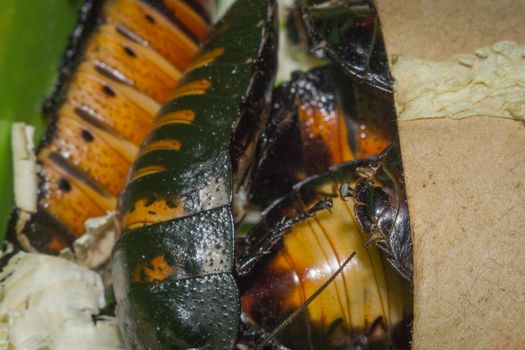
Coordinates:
x,y
303,307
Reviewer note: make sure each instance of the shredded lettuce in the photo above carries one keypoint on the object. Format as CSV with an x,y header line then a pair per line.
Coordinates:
x,y
48,302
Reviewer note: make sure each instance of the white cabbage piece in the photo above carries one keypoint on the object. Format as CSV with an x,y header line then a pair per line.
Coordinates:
x,y
489,82
48,302
25,176
93,248
24,166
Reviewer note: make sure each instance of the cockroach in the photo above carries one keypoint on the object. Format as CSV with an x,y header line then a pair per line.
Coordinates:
x,y
173,264
346,31
318,119
358,82
124,58
303,239
381,209
349,33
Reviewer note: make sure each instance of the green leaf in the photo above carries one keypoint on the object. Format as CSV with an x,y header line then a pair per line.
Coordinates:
x,y
33,35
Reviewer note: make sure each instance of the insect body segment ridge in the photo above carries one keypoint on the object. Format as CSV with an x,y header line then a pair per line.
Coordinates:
x,y
173,264
124,58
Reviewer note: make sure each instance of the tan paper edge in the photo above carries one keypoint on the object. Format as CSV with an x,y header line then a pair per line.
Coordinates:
x,y
466,186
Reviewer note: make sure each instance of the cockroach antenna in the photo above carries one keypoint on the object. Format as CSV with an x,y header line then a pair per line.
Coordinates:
x,y
284,225
303,307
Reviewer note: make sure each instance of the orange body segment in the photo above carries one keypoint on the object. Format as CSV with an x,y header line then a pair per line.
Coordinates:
x,y
124,70
120,113
184,116
372,141
70,200
154,29
147,170
151,213
198,87
189,17
206,58
328,126
366,290
93,156
157,270
133,62
161,145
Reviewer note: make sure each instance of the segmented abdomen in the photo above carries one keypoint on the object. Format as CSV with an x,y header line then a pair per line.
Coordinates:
x,y
124,59
364,304
173,264
320,118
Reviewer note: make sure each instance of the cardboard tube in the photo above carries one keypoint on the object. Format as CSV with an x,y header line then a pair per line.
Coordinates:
x,y
465,184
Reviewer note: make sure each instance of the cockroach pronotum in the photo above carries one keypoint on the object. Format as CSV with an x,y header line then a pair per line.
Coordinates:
x,y
304,238
173,264
124,58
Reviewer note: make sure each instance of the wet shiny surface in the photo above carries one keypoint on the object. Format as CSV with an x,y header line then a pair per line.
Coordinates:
x,y
216,114
369,300
173,264
382,210
320,118
350,34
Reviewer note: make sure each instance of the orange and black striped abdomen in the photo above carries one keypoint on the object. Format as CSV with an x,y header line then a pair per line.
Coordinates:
x,y
124,59
368,300
320,118
173,263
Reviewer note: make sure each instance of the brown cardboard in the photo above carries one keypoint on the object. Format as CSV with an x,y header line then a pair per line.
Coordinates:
x,y
438,29
466,186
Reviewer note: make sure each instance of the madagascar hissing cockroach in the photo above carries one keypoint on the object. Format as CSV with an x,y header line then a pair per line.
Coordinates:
x,y
174,262
318,119
346,31
349,33
381,209
124,58
304,238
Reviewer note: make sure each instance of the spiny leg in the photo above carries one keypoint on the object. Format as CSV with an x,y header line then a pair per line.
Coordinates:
x,y
254,253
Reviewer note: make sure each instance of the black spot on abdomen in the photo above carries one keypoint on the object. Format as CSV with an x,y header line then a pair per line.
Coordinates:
x,y
130,51
108,90
87,136
64,185
149,18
